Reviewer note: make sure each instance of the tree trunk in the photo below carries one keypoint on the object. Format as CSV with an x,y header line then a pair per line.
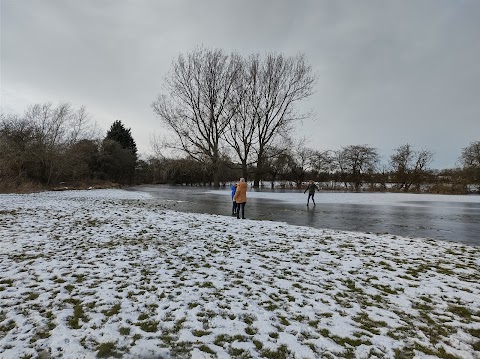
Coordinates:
x,y
244,170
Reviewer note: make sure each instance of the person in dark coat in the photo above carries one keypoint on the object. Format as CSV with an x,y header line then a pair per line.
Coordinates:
x,y
311,188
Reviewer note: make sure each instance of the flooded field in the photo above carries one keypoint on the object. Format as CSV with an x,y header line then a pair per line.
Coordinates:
x,y
450,218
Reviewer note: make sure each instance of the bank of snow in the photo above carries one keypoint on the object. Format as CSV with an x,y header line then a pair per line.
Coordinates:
x,y
112,273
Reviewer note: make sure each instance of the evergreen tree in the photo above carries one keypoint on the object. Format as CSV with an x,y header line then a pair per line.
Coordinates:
x,y
123,136
119,154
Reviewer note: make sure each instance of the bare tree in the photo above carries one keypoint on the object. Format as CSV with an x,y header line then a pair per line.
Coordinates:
x,y
470,160
241,134
37,147
198,104
322,163
278,165
409,166
300,164
280,83
355,163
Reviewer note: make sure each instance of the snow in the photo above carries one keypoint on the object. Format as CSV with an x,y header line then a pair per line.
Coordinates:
x,y
112,272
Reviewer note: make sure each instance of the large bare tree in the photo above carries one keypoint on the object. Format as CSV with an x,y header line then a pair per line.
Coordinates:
x,y
198,105
241,135
280,83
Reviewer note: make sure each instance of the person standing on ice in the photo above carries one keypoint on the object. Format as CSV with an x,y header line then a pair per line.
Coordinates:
x,y
233,187
240,197
311,188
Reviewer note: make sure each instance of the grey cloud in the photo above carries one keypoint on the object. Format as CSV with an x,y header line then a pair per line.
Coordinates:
x,y
390,72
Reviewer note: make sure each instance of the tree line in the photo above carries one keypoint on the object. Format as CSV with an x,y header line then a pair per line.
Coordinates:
x,y
50,145
53,145
231,116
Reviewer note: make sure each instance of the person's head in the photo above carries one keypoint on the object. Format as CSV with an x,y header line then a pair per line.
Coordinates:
x,y
242,179
311,181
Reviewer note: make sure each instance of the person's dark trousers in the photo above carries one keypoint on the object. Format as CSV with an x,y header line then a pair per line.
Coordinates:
x,y
308,199
242,207
234,208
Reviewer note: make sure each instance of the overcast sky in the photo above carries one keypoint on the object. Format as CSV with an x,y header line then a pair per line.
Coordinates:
x,y
389,72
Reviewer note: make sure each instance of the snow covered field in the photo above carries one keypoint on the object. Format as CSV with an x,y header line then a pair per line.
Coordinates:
x,y
111,273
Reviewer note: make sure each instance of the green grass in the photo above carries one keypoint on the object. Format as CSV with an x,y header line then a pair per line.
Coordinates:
x,y
149,326
124,330
282,352
107,350
115,309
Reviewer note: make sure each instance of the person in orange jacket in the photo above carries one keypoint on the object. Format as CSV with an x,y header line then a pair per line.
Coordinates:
x,y
241,197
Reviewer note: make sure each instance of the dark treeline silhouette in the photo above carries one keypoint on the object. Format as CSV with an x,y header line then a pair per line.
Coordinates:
x,y
57,147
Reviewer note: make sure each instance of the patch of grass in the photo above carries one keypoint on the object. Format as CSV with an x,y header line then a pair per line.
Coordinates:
x,y
251,330
135,338
343,341
206,349
115,309
439,353
206,285
221,339
193,305
258,344
143,316
8,326
282,352
6,281
386,289
443,270
368,324
283,320
69,287
239,353
181,349
80,278
474,332
178,325
107,350
461,311
249,319
273,335
149,326
78,314
270,306
200,332
324,332
124,330
32,296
